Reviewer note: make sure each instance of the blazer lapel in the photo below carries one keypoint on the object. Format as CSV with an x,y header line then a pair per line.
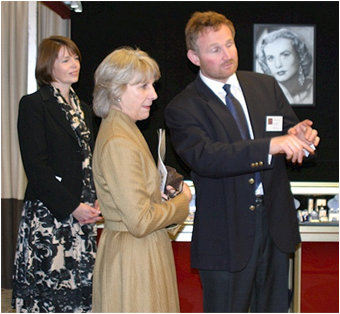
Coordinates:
x,y
55,110
219,108
252,98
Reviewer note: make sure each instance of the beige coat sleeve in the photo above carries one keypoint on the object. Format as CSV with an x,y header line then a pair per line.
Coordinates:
x,y
131,185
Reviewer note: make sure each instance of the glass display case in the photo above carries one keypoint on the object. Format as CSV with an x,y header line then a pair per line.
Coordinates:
x,y
319,197
316,260
314,267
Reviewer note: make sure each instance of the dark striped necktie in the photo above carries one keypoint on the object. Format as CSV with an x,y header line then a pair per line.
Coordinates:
x,y
236,110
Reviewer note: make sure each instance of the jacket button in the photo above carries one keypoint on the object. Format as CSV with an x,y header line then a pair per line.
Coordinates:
x,y
252,165
252,207
261,163
251,181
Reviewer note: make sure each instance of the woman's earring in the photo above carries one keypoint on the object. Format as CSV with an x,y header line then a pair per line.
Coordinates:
x,y
301,76
119,99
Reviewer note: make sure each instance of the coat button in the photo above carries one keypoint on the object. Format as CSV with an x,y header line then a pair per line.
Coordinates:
x,y
261,163
251,181
252,207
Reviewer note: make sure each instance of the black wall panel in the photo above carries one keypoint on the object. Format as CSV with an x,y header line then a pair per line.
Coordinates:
x,y
158,28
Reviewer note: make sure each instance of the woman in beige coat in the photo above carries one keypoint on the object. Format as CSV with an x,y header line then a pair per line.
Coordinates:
x,y
134,269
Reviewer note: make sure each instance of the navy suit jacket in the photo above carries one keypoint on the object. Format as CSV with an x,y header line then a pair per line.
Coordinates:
x,y
207,139
50,152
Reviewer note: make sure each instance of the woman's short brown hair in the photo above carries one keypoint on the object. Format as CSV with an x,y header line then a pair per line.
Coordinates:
x,y
47,54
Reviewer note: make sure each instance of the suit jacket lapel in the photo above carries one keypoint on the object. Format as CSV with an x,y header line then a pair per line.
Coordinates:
x,y
220,109
252,99
55,110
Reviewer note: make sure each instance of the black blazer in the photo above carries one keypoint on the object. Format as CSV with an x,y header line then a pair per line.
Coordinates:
x,y
207,139
50,152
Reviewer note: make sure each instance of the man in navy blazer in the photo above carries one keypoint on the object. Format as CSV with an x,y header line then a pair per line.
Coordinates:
x,y
242,234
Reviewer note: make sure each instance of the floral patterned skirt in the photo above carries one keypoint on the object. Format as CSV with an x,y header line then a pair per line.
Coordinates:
x,y
54,263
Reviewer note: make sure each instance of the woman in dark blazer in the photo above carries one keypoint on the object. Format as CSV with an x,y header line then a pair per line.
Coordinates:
x,y
57,235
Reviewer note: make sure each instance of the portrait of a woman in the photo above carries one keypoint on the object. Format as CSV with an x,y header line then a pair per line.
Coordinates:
x,y
282,54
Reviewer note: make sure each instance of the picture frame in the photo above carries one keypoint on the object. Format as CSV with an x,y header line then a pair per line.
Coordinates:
x,y
287,52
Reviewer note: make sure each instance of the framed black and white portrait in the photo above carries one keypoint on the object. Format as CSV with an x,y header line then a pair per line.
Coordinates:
x,y
287,52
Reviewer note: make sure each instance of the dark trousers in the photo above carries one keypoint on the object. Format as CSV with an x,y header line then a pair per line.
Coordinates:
x,y
262,287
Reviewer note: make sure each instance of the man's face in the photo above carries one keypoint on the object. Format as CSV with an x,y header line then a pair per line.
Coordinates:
x,y
217,54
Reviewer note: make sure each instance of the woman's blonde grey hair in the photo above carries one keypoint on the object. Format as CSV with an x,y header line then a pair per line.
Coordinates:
x,y
123,66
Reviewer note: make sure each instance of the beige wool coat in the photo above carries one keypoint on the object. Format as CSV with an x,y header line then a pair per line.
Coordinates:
x,y
134,269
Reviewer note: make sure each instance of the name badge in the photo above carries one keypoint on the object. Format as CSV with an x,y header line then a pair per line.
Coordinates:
x,y
274,123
